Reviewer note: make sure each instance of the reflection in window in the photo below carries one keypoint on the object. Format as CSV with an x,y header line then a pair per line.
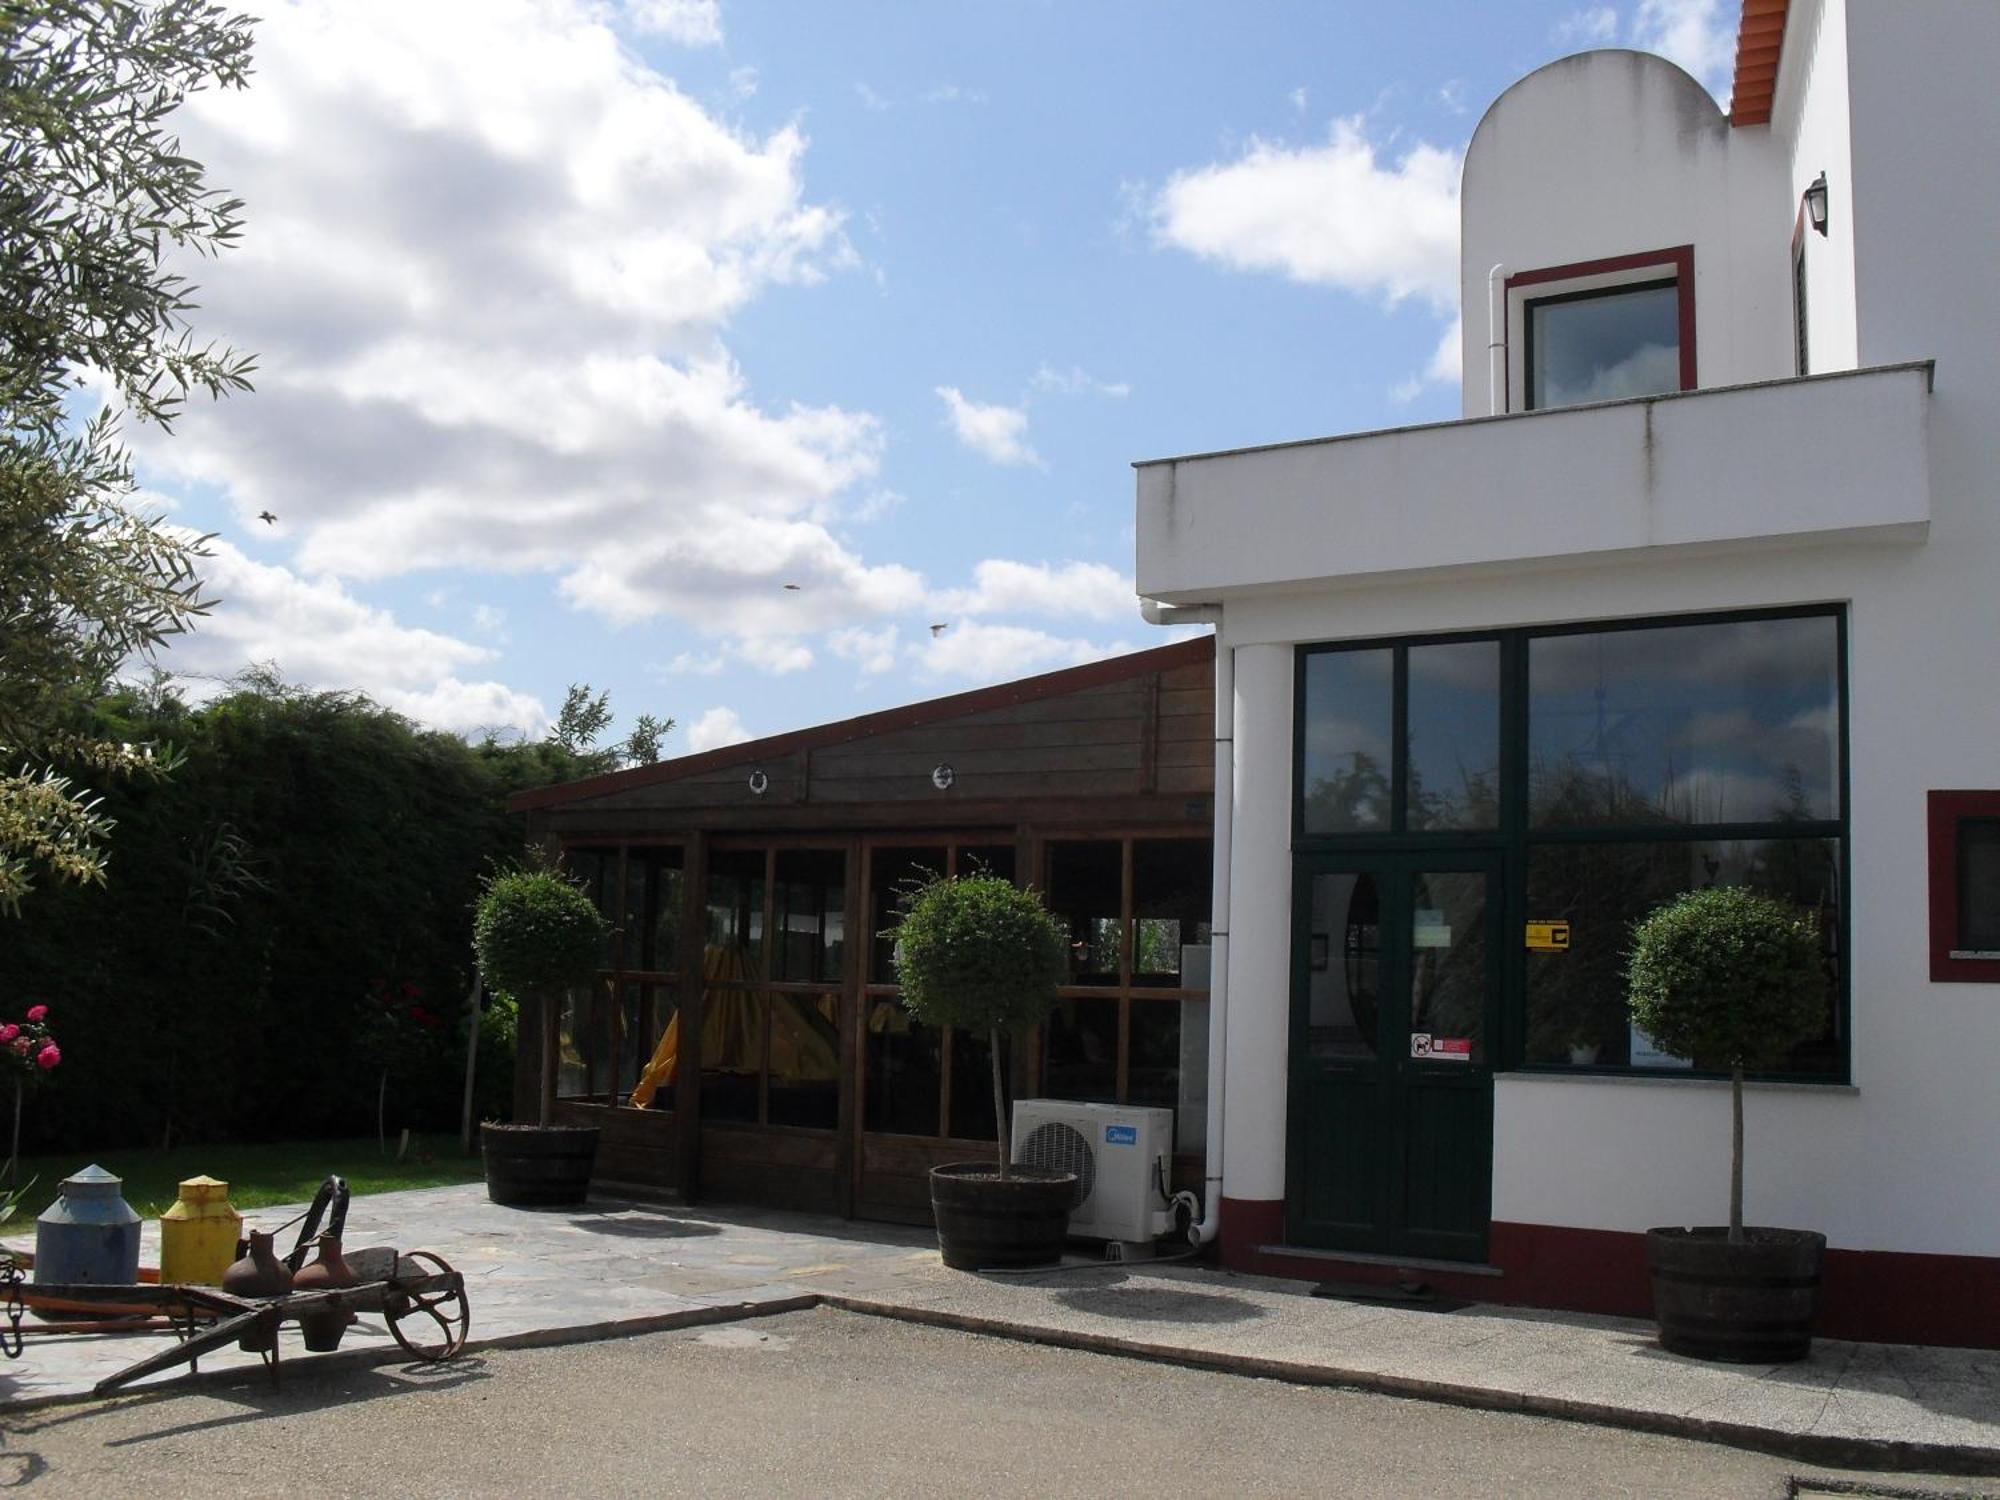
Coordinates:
x,y
804,1084
1343,967
1171,887
584,1032
905,1071
652,909
1158,1061
1448,971
1350,702
1576,999
810,911
972,1087
1454,735
1979,885
1734,722
596,872
1080,1051
892,874
1086,889
1605,345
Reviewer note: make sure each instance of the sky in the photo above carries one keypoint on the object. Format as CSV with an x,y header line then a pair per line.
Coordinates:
x,y
766,362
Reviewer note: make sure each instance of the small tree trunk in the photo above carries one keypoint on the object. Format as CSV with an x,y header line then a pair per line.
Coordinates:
x,y
551,1004
999,1105
1736,1155
471,1066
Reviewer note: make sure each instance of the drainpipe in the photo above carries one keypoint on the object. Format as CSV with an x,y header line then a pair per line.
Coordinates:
x,y
1205,1229
1496,339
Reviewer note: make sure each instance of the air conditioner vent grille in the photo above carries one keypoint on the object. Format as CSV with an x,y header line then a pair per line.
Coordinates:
x,y
1063,1149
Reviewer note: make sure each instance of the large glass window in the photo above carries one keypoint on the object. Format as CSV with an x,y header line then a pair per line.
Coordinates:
x,y
1638,762
618,1037
1604,345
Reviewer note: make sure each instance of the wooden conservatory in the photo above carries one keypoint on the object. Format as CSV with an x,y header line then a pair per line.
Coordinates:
x,y
744,1041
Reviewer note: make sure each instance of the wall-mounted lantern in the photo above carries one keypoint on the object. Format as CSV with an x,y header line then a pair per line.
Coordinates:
x,y
1815,196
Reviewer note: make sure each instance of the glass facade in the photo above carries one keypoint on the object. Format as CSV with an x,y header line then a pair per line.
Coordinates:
x,y
1607,769
1604,345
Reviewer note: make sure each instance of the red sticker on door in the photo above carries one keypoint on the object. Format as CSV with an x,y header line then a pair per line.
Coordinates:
x,y
1441,1048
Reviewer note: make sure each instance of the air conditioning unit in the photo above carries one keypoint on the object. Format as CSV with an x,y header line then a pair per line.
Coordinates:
x,y
1122,1157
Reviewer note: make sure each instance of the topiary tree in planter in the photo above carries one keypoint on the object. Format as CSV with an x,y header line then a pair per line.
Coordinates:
x,y
981,954
538,936
1732,980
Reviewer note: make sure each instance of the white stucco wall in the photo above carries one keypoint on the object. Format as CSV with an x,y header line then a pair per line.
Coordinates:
x,y
1810,122
1615,153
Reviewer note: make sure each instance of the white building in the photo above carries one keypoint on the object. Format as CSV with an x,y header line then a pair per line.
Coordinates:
x,y
1705,587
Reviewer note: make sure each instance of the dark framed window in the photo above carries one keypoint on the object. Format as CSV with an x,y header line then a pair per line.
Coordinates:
x,y
1602,330
1801,350
1612,767
609,1035
1965,886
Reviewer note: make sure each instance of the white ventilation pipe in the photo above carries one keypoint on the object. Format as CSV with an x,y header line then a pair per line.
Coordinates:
x,y
1156,613
1496,339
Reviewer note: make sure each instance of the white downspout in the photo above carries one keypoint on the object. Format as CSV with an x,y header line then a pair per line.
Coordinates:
x,y
1496,340
1205,1229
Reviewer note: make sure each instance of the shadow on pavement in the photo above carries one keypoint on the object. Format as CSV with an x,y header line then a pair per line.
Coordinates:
x,y
1157,1304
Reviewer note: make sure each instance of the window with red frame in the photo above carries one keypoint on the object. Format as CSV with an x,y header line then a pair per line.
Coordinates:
x,y
1965,886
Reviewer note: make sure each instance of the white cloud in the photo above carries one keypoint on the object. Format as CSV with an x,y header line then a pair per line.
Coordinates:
x,y
1298,98
716,728
997,432
1076,382
489,262
1592,26
869,97
777,655
1001,586
690,662
974,652
874,651
743,82
951,93
1700,35
1342,215
1446,365
490,621
320,636
692,23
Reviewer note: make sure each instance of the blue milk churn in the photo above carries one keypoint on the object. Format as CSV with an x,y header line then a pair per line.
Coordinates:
x,y
89,1234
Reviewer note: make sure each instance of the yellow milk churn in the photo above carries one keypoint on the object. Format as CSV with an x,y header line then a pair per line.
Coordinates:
x,y
198,1234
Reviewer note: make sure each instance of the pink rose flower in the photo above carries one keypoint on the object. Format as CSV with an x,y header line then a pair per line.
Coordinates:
x,y
9,1032
48,1057
21,1046
37,1012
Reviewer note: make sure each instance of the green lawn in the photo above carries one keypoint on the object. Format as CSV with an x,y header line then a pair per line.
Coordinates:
x,y
285,1172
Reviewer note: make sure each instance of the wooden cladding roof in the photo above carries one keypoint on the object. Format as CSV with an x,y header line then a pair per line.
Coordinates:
x,y
1136,724
1760,36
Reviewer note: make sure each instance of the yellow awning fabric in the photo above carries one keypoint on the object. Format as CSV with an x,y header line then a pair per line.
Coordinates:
x,y
804,1043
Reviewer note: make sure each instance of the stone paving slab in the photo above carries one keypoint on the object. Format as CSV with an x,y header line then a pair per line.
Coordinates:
x,y
618,1268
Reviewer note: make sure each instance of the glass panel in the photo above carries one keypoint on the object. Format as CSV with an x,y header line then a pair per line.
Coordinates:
x,y
1154,1073
905,1087
1734,722
1191,1107
891,872
986,859
972,1087
1086,884
1448,978
1171,883
805,1061
1604,345
811,897
736,902
658,1047
1454,735
1343,967
1576,999
596,872
582,1035
1080,1051
1979,885
1350,700
732,1050
652,909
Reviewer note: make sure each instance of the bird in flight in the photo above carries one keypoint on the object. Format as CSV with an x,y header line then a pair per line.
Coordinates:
x,y
267,518
940,629
793,587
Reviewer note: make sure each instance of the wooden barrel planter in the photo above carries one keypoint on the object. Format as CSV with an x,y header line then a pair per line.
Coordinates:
x,y
985,1222
1751,1303
538,1166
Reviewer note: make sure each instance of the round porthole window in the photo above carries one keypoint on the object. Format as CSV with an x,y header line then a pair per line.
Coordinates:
x,y
759,783
942,778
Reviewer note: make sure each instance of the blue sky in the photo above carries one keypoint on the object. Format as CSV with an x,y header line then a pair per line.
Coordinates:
x,y
586,328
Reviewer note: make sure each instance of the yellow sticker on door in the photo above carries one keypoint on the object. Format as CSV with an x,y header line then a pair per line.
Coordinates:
x,y
1548,937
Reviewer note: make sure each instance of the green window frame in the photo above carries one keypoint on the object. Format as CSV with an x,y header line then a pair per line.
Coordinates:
x,y
1810,836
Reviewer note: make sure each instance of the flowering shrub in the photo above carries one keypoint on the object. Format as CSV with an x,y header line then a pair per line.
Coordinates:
x,y
30,1047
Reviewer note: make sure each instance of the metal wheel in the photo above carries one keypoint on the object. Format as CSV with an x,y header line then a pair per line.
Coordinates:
x,y
438,1315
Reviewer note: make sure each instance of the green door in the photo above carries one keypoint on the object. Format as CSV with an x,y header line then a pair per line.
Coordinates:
x,y
1393,1005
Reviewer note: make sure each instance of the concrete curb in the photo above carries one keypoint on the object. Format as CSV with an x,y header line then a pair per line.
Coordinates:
x,y
1835,1452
